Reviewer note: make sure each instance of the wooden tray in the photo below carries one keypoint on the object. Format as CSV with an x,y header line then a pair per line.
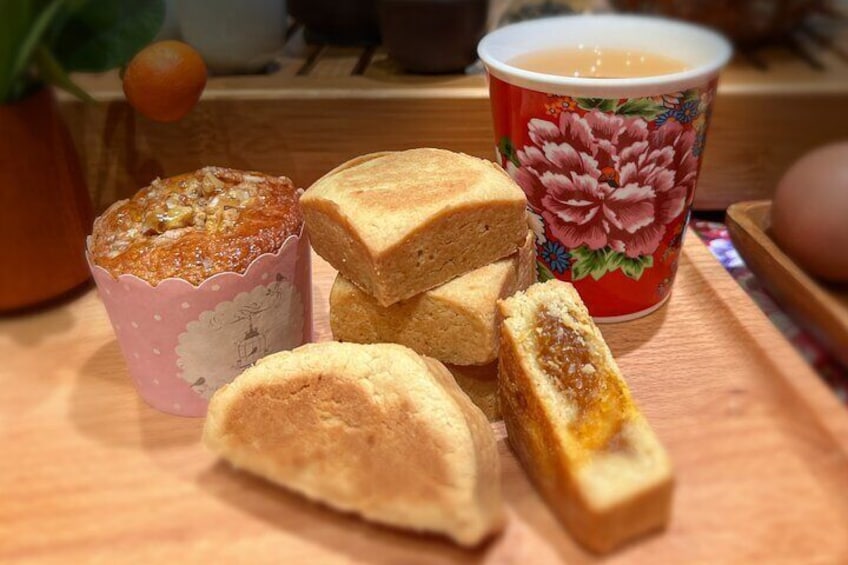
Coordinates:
x,y
90,473
819,307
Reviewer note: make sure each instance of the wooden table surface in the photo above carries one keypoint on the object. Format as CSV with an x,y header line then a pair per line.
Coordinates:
x,y
89,473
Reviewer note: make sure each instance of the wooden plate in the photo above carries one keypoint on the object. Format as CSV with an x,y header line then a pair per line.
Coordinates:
x,y
821,308
89,473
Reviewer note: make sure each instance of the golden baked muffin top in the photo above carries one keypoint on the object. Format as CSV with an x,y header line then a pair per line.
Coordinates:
x,y
196,225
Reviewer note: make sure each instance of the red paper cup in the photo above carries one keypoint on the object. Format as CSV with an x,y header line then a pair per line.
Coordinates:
x,y
183,342
609,166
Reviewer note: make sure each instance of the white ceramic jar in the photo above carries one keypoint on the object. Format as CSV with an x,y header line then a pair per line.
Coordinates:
x,y
234,37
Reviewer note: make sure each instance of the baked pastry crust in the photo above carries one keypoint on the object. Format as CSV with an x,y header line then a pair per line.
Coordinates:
x,y
457,322
196,225
399,223
376,430
480,383
573,424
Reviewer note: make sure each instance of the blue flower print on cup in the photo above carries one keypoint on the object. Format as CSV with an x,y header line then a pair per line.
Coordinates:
x,y
555,256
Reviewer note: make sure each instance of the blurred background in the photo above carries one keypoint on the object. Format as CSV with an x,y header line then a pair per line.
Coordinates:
x,y
300,86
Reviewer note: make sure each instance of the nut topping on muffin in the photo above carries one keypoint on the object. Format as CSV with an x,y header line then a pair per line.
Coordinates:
x,y
196,225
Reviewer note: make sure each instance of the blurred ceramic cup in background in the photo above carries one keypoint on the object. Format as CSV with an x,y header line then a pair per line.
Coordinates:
x,y
234,37
609,162
433,36
170,27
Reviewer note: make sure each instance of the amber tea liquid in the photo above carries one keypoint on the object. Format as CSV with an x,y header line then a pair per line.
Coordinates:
x,y
597,62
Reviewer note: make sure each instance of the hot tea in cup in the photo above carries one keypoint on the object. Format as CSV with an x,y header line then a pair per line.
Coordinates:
x,y
602,120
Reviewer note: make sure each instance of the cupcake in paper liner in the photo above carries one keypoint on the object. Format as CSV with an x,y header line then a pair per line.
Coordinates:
x,y
202,275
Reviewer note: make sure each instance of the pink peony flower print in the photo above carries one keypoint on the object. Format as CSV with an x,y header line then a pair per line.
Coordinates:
x,y
605,180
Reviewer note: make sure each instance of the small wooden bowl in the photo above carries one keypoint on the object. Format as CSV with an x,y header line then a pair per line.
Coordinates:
x,y
820,307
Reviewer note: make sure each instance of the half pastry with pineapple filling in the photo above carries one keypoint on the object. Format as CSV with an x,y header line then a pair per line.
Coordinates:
x,y
573,424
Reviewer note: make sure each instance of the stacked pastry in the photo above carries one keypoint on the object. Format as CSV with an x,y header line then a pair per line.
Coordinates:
x,y
433,253
425,241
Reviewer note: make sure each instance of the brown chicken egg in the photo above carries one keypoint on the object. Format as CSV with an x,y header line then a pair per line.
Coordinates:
x,y
809,215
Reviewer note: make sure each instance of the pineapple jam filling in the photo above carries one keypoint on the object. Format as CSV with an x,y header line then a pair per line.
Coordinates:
x,y
597,394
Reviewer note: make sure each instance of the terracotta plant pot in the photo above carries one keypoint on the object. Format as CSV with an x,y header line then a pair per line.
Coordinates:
x,y
45,210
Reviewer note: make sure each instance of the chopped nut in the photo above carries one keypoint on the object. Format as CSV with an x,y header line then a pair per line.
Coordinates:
x,y
179,217
173,217
211,184
229,202
230,217
240,194
213,220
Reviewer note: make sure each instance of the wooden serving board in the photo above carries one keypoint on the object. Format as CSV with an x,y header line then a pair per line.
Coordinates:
x,y
821,308
88,472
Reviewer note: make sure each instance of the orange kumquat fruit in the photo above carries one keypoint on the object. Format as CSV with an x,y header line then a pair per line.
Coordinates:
x,y
164,80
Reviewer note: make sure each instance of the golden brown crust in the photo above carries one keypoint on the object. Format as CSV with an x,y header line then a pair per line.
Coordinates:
x,y
583,442
398,224
196,225
375,430
456,322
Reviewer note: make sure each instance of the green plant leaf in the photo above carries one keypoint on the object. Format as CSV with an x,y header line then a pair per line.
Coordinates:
x,y
34,20
601,104
544,274
69,7
103,34
644,107
507,149
51,71
15,20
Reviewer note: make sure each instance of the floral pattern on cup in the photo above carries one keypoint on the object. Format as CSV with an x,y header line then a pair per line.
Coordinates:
x,y
609,182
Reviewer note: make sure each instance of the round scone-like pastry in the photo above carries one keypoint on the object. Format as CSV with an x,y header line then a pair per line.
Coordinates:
x,y
196,225
371,429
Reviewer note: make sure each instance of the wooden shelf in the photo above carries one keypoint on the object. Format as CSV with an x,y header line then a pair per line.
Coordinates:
x,y
322,105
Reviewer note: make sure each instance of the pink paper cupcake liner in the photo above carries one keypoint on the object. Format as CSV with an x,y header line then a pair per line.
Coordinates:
x,y
183,342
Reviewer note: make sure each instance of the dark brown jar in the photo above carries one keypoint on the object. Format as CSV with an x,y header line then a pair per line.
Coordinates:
x,y
345,22
433,36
